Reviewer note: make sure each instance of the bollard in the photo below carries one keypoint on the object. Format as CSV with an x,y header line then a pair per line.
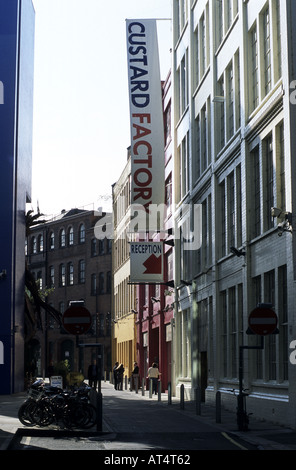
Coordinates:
x,y
125,382
197,398
143,387
150,388
159,390
99,412
136,384
105,376
169,393
110,378
218,407
182,397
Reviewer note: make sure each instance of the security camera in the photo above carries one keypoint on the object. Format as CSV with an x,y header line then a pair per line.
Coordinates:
x,y
275,212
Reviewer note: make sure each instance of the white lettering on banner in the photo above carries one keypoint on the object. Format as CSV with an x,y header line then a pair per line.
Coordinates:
x,y
146,114
1,93
1,353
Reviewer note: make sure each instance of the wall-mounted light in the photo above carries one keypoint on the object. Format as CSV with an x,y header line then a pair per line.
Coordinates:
x,y
286,224
237,252
186,283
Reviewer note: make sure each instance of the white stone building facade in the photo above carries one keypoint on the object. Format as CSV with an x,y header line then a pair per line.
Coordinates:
x,y
234,139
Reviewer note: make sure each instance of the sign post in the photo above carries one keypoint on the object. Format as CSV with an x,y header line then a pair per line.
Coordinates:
x,y
262,322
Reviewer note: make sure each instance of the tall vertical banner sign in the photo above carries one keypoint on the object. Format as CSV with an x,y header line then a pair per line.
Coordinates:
x,y
146,117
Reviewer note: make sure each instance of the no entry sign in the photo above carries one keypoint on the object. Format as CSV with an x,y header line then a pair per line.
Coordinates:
x,y
76,320
263,321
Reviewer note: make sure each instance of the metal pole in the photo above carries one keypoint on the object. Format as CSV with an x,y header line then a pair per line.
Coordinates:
x,y
218,407
182,397
197,397
169,393
159,390
143,386
99,411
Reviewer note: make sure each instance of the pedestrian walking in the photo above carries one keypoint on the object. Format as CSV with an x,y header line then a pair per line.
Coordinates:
x,y
120,370
115,375
135,375
153,374
93,374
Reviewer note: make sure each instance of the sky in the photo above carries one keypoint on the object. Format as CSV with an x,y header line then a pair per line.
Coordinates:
x,y
81,110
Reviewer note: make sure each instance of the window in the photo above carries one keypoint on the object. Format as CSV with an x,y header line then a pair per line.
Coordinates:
x,y
281,166
70,236
256,193
267,51
283,320
101,247
222,202
269,297
82,233
70,273
230,101
93,284
204,140
109,282
185,362
231,210
34,245
254,69
93,247
62,275
39,279
101,283
269,181
168,195
62,238
278,40
183,156
223,306
40,243
51,276
182,14
167,125
51,241
183,84
81,271
221,115
233,332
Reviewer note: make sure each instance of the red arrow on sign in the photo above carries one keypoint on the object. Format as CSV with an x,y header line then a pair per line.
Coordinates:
x,y
153,265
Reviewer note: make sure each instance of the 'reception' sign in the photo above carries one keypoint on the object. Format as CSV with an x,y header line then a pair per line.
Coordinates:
x,y
146,114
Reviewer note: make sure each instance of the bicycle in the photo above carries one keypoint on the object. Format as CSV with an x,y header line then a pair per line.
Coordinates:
x,y
48,405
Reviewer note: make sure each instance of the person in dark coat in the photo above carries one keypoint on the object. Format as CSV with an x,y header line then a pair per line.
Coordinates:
x,y
120,370
135,376
93,374
115,375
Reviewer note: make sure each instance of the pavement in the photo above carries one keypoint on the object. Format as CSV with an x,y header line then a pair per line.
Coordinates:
x,y
261,434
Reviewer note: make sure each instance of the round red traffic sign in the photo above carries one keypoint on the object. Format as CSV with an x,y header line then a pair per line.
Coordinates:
x,y
263,321
76,320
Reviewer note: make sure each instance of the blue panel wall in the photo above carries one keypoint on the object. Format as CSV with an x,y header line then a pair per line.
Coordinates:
x,y
16,75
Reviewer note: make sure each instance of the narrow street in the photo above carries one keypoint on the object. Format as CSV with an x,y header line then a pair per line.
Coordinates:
x,y
132,422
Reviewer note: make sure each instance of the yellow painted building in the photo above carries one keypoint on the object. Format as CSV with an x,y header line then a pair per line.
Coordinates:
x,y
124,294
